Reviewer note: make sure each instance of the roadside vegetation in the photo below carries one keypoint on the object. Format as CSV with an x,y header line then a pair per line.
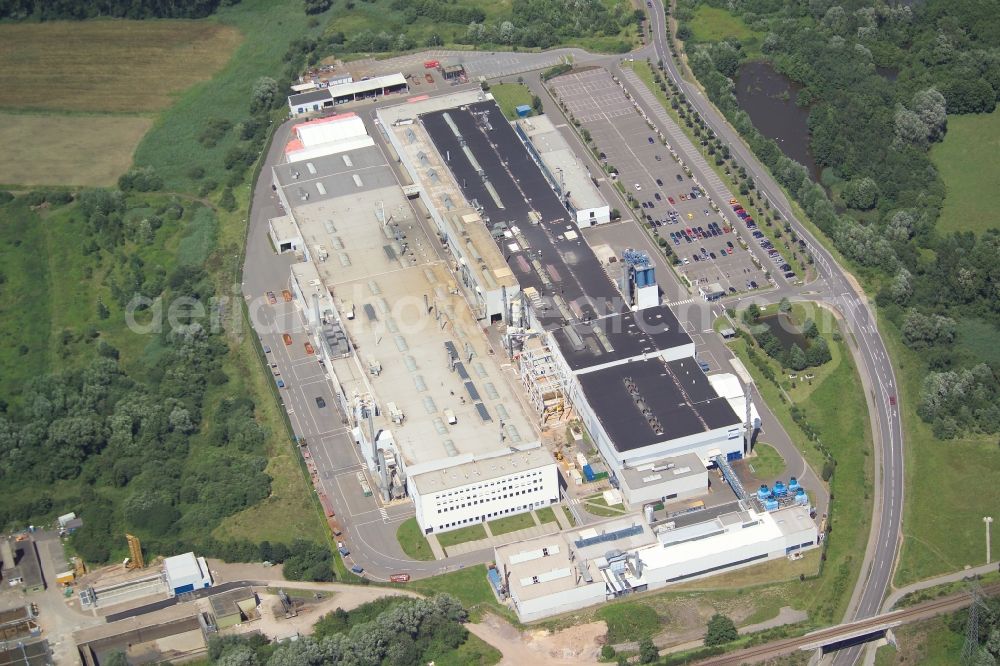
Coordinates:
x,y
940,641
393,630
384,26
880,206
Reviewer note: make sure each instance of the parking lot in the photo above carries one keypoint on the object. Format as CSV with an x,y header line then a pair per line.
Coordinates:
x,y
708,248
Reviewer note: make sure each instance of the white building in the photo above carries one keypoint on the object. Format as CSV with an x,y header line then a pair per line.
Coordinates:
x,y
563,572
327,136
569,176
186,573
669,479
449,494
284,234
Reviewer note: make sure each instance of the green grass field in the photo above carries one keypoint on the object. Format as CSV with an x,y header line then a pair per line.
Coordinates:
x,y
468,585
596,505
767,464
412,541
473,652
928,643
546,515
509,96
116,66
943,517
510,524
461,535
629,621
969,162
712,24
74,150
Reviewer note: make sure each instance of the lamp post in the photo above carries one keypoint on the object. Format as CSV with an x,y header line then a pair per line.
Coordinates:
x,y
988,520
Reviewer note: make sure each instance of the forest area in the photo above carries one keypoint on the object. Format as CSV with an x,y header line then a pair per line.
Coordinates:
x,y
51,10
880,194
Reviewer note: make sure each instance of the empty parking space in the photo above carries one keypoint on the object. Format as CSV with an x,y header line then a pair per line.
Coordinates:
x,y
670,201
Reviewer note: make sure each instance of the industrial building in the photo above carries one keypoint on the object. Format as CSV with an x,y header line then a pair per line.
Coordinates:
x,y
317,100
232,607
429,407
19,563
570,178
186,573
175,633
563,572
581,340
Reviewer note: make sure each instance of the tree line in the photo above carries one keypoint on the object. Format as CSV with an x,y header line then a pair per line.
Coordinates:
x,y
404,632
51,10
880,195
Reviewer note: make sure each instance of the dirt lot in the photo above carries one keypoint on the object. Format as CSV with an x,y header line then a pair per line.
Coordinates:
x,y
575,645
67,150
129,66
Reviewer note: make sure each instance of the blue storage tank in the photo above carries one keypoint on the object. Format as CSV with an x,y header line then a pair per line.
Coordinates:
x,y
523,111
793,485
763,492
771,505
588,473
801,497
779,489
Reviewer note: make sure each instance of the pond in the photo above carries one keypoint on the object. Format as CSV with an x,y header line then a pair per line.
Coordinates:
x,y
769,98
787,332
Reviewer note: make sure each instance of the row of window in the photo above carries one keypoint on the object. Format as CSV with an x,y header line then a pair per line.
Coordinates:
x,y
488,516
489,487
489,499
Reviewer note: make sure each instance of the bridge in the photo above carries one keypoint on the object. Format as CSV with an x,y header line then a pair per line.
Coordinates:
x,y
848,634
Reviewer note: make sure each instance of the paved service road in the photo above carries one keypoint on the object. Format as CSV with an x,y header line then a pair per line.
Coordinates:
x,y
841,291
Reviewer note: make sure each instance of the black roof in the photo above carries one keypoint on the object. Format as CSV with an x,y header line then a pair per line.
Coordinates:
x,y
322,95
571,269
676,394
630,335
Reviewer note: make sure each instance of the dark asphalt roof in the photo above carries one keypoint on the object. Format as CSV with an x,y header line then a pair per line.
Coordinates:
x,y
571,269
630,334
311,96
677,394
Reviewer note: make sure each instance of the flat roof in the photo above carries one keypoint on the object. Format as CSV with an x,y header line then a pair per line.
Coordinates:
x,y
284,226
28,567
441,191
542,245
310,97
326,177
407,311
368,85
227,602
620,337
158,623
480,469
677,394
182,566
549,564
557,154
726,533
662,471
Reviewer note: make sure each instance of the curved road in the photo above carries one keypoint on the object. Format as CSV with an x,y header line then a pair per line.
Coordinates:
x,y
842,292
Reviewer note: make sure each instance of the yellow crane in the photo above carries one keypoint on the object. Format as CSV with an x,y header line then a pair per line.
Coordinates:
x,y
135,553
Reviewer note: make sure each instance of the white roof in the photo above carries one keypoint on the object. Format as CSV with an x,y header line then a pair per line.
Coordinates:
x,y
330,148
374,83
728,386
183,566
329,130
562,162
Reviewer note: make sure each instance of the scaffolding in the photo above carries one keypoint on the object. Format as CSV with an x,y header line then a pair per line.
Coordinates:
x,y
541,380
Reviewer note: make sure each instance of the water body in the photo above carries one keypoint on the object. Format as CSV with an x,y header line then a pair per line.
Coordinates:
x,y
769,98
785,330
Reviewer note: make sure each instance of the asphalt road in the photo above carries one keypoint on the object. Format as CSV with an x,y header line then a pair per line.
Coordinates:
x,y
842,292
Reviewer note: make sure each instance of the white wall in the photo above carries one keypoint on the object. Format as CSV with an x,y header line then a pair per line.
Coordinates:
x,y
683,487
485,499
561,602
589,217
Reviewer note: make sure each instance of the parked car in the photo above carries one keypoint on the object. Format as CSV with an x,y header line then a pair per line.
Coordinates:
x,y
343,551
287,338
271,298
320,402
638,187
679,178
267,350
309,348
652,140
287,295
358,569
659,182
671,200
281,384
658,197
